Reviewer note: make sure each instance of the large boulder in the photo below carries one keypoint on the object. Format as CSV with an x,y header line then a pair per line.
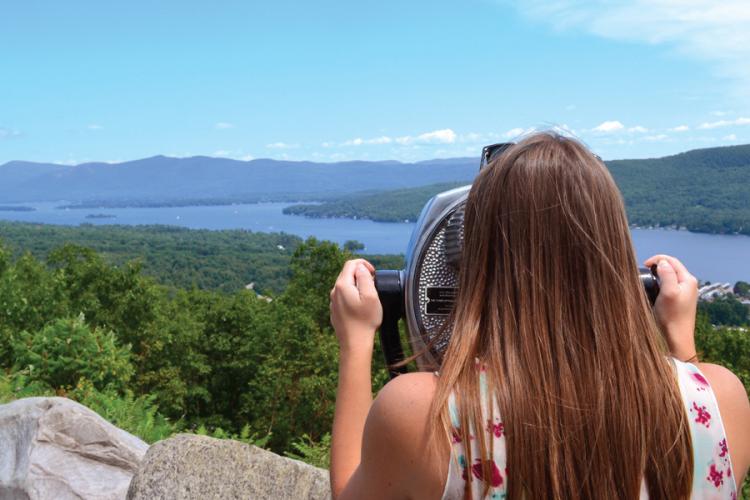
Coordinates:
x,y
188,466
55,448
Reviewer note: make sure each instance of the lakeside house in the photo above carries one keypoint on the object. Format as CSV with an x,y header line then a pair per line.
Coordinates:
x,y
715,290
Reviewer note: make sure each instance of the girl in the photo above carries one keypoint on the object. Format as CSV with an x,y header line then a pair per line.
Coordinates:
x,y
559,380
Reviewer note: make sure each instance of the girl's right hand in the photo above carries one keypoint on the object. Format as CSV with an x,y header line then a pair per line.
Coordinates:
x,y
676,305
356,312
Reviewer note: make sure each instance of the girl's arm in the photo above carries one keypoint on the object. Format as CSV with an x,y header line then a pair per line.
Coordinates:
x,y
675,310
355,314
379,449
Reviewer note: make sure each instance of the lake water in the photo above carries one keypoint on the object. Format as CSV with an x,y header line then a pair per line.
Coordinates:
x,y
710,257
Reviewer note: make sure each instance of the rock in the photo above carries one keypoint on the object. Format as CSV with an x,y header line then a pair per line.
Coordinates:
x,y
55,448
188,466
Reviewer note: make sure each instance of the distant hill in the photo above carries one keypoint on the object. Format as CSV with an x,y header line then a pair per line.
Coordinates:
x,y
705,190
200,179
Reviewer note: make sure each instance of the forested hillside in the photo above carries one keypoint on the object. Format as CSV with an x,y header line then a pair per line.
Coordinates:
x,y
225,260
400,205
705,190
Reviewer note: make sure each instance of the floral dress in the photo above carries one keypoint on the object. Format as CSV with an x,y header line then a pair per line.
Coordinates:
x,y
712,474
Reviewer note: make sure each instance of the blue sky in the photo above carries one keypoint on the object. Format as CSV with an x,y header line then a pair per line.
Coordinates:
x,y
332,80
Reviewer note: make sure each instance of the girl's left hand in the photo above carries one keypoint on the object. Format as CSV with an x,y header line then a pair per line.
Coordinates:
x,y
355,307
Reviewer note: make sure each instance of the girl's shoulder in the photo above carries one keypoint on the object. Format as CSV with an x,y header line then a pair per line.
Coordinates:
x,y
396,431
403,405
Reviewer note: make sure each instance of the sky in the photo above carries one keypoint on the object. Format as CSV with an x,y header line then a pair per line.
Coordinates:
x,y
390,80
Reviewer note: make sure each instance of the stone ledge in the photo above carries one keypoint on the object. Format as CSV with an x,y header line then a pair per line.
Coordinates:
x,y
188,466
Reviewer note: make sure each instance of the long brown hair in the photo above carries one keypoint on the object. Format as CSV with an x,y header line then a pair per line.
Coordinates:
x,y
551,304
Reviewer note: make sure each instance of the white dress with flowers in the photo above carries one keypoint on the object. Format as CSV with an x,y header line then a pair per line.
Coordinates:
x,y
713,477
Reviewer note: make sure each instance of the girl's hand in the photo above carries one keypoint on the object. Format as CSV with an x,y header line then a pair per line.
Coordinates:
x,y
355,308
676,305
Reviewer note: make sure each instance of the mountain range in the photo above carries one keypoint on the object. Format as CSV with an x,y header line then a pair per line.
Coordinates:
x,y
162,179
707,189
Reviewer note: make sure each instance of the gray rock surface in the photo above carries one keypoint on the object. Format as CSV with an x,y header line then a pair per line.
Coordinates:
x,y
55,448
197,467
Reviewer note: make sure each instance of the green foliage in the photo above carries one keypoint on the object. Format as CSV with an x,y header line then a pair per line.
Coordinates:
x,y
138,415
726,310
226,260
67,351
708,190
17,385
316,453
742,289
727,346
399,205
262,370
244,436
353,246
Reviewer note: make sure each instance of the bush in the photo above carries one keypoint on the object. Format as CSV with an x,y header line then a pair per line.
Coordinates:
x,y
67,351
137,415
311,452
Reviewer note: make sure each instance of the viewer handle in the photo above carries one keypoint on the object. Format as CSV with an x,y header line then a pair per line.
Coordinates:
x,y
390,293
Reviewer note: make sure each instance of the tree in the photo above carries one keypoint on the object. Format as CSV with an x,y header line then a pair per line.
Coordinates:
x,y
68,351
742,289
725,310
726,346
353,246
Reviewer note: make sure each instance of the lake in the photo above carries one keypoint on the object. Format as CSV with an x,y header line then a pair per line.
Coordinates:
x,y
709,256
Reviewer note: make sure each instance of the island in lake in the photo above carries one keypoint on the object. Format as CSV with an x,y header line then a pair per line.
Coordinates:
x,y
16,208
101,216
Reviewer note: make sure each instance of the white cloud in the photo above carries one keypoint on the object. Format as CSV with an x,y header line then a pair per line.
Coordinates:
x,y
517,132
638,129
570,107
609,126
353,142
380,140
679,128
719,113
724,123
709,30
235,154
94,126
656,138
359,141
281,145
564,129
471,137
223,125
442,136
514,132
730,137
